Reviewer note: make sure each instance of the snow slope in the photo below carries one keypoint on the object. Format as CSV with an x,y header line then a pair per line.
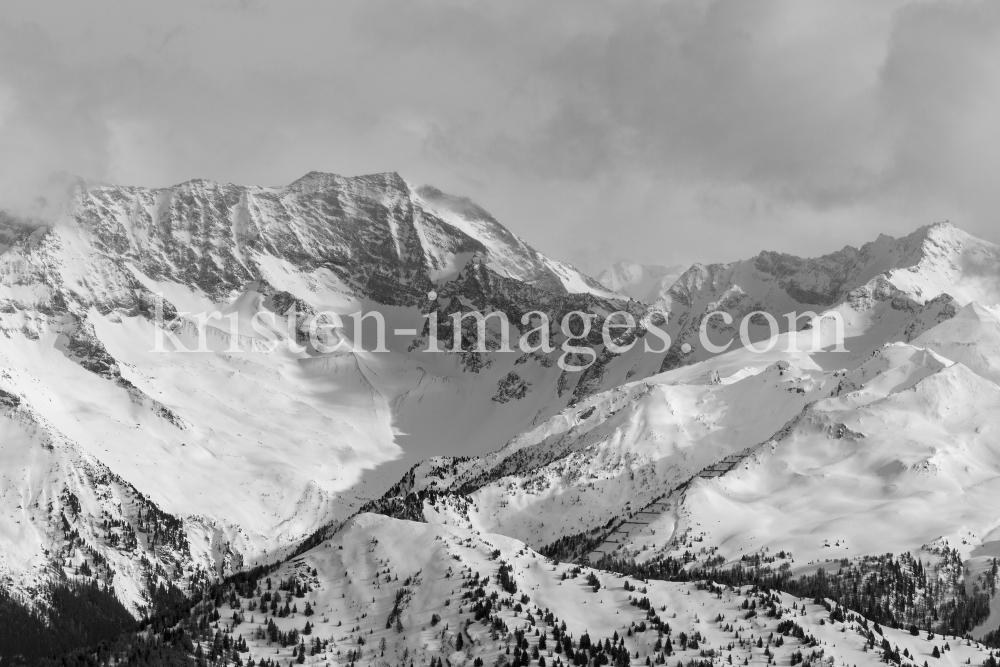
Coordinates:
x,y
971,338
377,570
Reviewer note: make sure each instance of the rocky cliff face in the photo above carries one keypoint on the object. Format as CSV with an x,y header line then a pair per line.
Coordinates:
x,y
380,238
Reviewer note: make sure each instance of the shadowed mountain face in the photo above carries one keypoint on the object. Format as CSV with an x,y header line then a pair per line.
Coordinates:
x,y
130,464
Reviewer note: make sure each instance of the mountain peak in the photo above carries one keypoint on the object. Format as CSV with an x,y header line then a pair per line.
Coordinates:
x,y
941,258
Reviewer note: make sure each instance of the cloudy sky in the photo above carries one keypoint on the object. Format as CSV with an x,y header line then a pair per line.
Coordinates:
x,y
669,131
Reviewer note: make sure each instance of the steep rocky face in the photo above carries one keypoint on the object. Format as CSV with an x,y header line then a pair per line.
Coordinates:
x,y
214,237
381,239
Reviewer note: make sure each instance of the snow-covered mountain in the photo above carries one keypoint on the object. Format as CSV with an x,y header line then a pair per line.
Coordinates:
x,y
888,290
249,451
437,506
509,255
642,282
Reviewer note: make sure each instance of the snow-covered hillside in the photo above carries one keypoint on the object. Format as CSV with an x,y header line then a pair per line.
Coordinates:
x,y
389,591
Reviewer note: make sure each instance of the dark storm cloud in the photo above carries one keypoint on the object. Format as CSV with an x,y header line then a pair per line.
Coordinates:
x,y
662,131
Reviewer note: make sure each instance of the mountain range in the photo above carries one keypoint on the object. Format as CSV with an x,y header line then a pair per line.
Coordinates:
x,y
681,503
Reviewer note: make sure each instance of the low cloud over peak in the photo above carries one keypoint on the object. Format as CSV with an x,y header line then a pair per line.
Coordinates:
x,y
660,132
